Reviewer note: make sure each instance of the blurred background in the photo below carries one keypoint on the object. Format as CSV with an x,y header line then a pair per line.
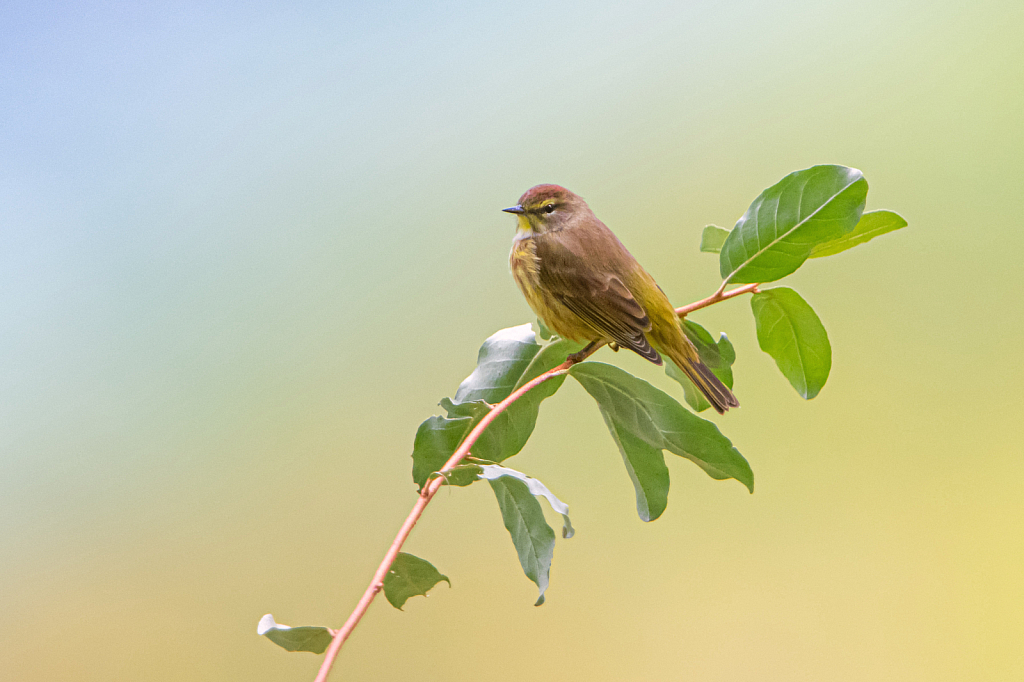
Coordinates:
x,y
245,248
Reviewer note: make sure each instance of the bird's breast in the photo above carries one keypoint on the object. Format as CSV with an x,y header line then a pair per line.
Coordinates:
x,y
525,264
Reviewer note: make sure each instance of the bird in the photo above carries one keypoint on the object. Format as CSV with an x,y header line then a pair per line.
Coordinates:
x,y
586,287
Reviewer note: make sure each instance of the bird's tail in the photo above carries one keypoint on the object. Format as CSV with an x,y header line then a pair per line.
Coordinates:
x,y
720,397
717,393
667,336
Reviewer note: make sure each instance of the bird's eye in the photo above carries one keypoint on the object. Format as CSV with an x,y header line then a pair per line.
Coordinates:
x,y
550,208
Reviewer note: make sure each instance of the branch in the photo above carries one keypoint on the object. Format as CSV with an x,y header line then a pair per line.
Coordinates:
x,y
719,295
429,490
377,584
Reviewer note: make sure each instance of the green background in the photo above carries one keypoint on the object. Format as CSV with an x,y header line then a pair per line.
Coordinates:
x,y
245,249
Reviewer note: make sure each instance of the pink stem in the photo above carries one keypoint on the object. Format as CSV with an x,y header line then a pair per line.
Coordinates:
x,y
377,584
428,492
719,295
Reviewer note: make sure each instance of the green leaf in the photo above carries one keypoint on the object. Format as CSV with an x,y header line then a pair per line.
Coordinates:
x,y
507,360
410,576
646,468
436,441
712,238
717,356
314,639
532,536
790,331
543,332
714,355
549,357
490,472
779,230
872,224
461,475
502,360
510,430
659,421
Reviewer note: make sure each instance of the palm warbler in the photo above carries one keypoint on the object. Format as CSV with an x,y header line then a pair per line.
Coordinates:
x,y
585,286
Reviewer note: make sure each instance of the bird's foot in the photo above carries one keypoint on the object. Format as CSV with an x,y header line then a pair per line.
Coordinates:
x,y
587,351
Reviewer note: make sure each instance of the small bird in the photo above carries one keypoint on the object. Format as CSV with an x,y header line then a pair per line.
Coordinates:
x,y
585,286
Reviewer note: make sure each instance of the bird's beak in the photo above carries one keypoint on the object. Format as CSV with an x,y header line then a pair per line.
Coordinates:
x,y
517,209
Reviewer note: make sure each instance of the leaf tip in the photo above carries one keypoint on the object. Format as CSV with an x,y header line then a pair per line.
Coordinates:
x,y
266,624
647,516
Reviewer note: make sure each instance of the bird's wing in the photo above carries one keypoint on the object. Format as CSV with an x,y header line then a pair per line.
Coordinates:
x,y
600,299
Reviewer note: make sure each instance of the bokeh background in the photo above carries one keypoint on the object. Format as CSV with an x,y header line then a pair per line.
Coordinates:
x,y
245,248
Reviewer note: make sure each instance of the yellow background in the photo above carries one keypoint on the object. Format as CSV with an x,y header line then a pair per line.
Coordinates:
x,y
244,250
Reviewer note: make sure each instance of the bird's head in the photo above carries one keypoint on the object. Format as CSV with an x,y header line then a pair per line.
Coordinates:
x,y
547,208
